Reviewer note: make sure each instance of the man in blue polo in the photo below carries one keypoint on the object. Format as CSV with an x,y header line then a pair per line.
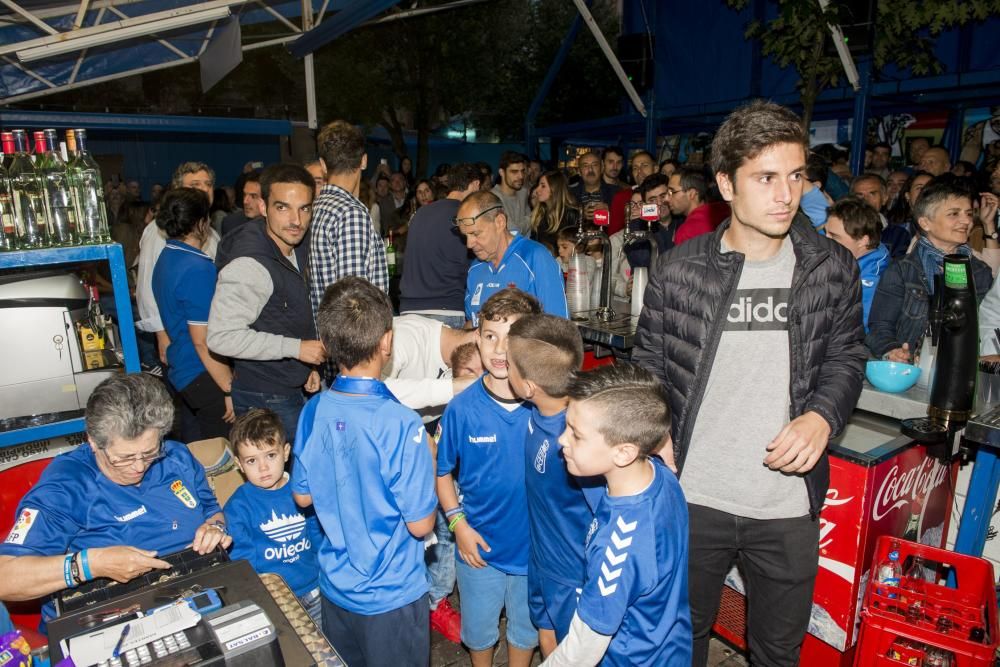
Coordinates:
x,y
505,260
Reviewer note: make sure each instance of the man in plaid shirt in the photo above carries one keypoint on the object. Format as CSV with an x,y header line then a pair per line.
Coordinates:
x,y
344,241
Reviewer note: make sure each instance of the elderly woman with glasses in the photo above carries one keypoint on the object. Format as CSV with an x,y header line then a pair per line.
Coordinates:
x,y
109,507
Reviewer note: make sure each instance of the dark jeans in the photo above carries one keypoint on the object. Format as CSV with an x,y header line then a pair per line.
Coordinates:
x,y
777,558
401,637
207,402
286,406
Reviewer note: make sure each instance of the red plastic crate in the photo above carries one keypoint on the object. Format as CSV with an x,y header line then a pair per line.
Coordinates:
x,y
970,603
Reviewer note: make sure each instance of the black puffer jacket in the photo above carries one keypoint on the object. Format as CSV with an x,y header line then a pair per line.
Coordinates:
x,y
685,306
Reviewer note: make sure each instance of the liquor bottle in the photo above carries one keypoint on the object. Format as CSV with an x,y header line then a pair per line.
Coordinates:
x,y
26,187
390,255
7,138
58,200
9,235
88,194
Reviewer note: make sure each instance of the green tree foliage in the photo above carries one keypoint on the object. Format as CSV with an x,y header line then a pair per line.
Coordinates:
x,y
904,36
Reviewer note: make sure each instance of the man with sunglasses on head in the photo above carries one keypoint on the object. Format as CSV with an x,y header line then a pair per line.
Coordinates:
x,y
111,506
505,260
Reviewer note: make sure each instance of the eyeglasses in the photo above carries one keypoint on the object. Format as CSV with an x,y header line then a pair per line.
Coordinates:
x,y
671,192
124,462
468,222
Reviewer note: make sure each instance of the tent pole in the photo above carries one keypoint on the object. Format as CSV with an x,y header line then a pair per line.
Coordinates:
x,y
859,126
310,69
610,55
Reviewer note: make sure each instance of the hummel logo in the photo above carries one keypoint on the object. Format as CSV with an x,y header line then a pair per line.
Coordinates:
x,y
620,543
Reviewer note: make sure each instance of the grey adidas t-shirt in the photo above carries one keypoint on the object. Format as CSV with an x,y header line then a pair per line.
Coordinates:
x,y
746,403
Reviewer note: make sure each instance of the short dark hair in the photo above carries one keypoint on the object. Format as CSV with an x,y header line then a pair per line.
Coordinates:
x,y
352,318
512,157
508,302
633,404
185,168
669,160
693,179
549,349
860,219
652,181
934,193
750,130
285,173
869,176
642,152
615,150
181,209
461,175
883,144
341,145
258,427
817,168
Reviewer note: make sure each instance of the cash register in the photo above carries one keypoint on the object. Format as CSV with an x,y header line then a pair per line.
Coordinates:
x,y
205,610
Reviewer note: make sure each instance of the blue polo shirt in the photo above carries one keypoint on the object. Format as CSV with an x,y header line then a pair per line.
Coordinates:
x,y
485,441
366,464
275,534
527,265
558,513
183,286
637,569
75,506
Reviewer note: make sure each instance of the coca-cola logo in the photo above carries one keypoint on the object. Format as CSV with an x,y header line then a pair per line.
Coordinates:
x,y
826,527
913,485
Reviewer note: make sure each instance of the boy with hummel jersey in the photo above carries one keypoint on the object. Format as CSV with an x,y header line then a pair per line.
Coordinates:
x,y
269,530
633,609
544,351
482,435
362,461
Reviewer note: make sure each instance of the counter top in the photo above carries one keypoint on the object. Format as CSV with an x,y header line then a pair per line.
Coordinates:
x,y
618,333
910,403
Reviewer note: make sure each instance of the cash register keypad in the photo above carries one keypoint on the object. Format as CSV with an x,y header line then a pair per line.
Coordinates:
x,y
141,655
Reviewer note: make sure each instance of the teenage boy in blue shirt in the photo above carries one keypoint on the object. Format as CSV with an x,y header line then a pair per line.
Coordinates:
x,y
633,610
268,528
362,460
482,435
543,353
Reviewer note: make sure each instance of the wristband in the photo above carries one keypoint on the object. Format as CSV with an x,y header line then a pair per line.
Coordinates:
x,y
227,394
219,526
74,569
455,520
67,571
85,565
448,514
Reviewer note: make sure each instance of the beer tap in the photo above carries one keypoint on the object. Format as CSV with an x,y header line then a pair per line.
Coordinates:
x,y
604,311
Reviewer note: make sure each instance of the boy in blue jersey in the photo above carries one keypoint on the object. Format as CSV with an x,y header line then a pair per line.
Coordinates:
x,y
543,353
633,610
268,528
482,435
362,460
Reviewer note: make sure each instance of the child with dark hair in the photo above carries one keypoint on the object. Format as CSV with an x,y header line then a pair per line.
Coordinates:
x,y
362,460
633,609
543,353
482,436
269,530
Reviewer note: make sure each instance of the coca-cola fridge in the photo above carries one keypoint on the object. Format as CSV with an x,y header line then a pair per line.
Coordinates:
x,y
880,484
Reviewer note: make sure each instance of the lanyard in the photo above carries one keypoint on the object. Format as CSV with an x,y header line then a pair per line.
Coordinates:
x,y
366,386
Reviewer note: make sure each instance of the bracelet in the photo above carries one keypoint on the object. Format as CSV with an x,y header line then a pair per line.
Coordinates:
x,y
221,527
68,571
455,520
85,565
227,394
452,512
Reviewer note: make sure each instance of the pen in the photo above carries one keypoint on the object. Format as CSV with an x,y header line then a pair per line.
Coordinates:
x,y
121,640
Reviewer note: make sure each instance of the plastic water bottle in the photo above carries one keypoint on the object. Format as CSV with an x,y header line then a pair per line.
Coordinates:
x,y
890,571
579,277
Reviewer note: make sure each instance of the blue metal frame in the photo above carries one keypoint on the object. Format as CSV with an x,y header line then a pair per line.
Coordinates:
x,y
144,123
980,500
351,16
111,253
859,127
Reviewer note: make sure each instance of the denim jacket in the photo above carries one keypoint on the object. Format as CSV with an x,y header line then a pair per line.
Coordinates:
x,y
900,308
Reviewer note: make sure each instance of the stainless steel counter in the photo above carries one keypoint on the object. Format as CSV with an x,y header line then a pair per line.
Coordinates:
x,y
910,403
618,333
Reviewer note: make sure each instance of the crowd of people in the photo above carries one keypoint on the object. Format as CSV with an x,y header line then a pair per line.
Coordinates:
x,y
460,442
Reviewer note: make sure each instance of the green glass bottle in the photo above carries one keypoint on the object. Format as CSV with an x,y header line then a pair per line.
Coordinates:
x,y
88,193
58,200
9,237
26,188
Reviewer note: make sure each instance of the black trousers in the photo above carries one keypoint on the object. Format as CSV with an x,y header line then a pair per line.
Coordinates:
x,y
777,558
208,403
400,638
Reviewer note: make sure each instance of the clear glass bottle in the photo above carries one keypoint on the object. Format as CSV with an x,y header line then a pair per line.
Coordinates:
x,y
9,236
58,200
26,188
88,192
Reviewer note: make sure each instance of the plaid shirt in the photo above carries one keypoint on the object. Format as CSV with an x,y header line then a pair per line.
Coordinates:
x,y
344,243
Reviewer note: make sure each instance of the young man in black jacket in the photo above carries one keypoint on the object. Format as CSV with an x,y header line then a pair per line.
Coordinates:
x,y
756,332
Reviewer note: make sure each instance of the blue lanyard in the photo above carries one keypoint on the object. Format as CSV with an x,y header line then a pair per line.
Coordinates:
x,y
366,386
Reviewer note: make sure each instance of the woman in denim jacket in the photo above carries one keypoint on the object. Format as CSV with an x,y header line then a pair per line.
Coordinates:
x,y
899,313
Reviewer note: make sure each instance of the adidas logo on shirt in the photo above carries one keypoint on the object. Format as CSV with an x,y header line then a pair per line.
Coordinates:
x,y
758,310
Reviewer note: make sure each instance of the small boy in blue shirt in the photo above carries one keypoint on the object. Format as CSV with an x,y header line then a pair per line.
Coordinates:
x,y
633,609
543,353
267,527
482,435
363,461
